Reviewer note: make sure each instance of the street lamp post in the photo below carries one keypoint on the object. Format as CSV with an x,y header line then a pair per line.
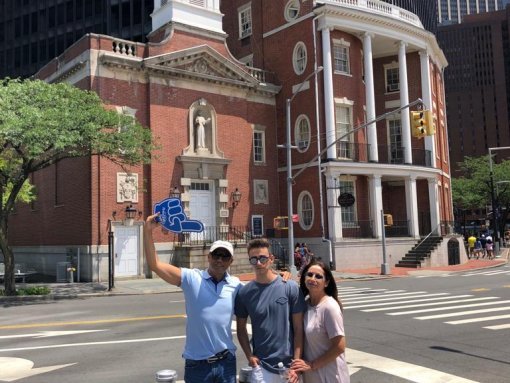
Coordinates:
x,y
290,180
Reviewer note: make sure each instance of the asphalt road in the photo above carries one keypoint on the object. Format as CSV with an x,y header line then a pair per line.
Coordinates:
x,y
128,338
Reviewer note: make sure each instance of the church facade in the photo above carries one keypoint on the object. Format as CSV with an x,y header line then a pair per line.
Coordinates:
x,y
221,89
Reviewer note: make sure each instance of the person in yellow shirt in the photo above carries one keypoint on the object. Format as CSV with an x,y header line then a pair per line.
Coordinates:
x,y
471,245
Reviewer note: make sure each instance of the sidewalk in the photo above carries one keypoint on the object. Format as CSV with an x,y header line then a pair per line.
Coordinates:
x,y
158,286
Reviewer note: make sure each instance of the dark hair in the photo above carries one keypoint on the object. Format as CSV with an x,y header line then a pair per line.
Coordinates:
x,y
258,243
330,289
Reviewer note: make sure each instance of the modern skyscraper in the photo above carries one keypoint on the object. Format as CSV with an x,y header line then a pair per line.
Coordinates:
x,y
32,32
452,11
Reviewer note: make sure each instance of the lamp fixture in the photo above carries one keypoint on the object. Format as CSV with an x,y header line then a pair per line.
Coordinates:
x,y
114,214
130,212
236,197
176,193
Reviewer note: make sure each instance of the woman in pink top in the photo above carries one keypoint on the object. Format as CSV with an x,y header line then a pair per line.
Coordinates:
x,y
324,347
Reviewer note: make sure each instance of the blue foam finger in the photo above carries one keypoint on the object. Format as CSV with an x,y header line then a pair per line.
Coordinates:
x,y
172,217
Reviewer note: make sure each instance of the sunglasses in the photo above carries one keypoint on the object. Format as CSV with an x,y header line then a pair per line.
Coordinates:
x,y
223,256
313,275
262,259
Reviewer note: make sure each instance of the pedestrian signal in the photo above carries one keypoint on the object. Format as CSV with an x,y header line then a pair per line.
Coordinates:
x,y
280,223
388,220
418,124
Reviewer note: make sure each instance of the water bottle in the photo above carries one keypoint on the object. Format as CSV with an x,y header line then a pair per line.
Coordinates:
x,y
282,371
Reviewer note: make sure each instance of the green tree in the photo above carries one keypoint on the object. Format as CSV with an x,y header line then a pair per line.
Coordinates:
x,y
473,189
43,123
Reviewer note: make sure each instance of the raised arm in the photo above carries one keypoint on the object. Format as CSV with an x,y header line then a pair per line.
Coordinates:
x,y
165,271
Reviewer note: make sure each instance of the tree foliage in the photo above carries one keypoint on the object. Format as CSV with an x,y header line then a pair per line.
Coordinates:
x,y
43,123
473,189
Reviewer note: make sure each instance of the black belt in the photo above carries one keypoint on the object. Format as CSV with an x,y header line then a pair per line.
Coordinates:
x,y
216,357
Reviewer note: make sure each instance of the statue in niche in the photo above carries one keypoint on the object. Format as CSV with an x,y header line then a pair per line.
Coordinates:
x,y
200,122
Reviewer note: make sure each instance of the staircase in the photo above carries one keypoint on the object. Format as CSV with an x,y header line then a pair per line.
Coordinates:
x,y
420,251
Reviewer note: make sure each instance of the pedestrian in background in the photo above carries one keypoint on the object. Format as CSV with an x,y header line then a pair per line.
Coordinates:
x,y
209,349
276,310
471,245
324,345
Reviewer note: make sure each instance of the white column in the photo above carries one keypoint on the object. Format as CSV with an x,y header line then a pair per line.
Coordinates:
x,y
404,100
329,101
434,205
412,206
426,96
376,203
334,212
370,97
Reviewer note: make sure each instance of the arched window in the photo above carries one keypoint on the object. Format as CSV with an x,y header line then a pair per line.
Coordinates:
x,y
299,58
302,133
305,210
292,10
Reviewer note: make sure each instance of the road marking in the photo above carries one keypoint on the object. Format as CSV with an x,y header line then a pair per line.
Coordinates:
x,y
407,371
482,319
117,320
393,297
46,334
481,289
507,286
367,294
450,307
12,369
408,301
463,313
428,304
92,343
499,327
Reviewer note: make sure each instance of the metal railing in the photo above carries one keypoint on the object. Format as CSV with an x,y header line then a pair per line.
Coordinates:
x,y
358,229
398,229
234,234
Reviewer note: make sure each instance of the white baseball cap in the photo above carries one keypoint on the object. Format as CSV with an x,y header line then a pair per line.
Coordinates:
x,y
222,245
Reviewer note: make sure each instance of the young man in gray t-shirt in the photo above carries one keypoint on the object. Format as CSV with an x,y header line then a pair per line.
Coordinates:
x,y
276,311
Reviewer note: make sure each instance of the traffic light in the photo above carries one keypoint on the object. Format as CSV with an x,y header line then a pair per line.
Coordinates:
x,y
419,123
431,122
388,220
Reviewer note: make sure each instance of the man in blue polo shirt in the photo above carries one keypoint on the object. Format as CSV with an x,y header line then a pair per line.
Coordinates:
x,y
210,294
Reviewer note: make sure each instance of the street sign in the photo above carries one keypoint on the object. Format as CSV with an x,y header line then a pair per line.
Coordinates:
x,y
346,199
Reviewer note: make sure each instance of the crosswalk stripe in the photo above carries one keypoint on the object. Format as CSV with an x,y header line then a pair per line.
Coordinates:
x,y
499,327
423,294
449,308
461,313
486,273
433,304
406,301
369,294
481,319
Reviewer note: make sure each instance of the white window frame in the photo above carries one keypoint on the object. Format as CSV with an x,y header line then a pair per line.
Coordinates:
x,y
391,88
292,10
245,20
349,214
302,143
302,211
262,146
395,139
341,48
299,58
344,147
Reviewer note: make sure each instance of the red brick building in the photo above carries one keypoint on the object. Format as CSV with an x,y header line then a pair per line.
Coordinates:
x,y
231,71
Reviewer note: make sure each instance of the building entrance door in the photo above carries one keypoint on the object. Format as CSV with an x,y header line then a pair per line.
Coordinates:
x,y
126,245
203,208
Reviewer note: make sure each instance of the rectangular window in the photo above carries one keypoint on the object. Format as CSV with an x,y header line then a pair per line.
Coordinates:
x,y
343,126
349,218
392,80
245,21
341,58
259,150
396,149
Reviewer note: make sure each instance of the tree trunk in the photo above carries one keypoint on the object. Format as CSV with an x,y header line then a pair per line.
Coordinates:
x,y
9,282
